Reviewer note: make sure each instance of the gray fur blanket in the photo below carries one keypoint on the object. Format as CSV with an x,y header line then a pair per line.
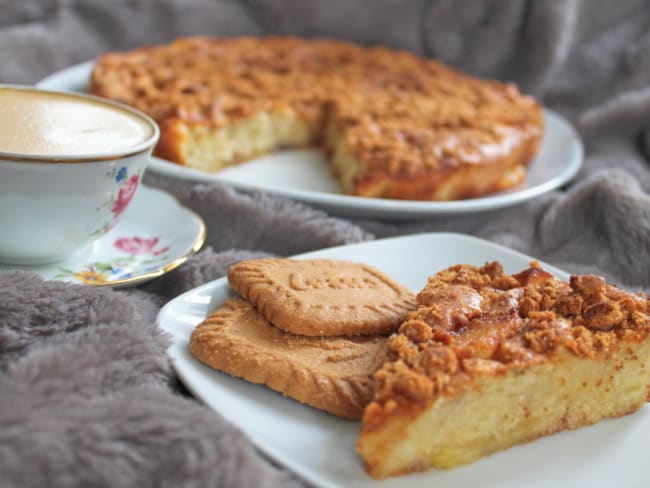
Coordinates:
x,y
87,394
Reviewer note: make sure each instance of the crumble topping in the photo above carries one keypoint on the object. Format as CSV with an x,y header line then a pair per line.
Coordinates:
x,y
394,108
480,321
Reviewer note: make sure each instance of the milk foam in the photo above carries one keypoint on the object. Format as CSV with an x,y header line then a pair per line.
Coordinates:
x,y
51,124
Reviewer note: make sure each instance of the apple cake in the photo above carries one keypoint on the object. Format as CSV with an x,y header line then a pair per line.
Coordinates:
x,y
393,124
490,360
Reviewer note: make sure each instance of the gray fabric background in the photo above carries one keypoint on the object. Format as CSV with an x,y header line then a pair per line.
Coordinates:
x,y
87,395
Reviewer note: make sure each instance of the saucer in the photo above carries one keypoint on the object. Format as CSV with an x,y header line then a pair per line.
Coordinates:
x,y
155,235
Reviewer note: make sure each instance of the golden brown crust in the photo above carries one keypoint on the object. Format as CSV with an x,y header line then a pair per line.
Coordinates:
x,y
332,373
173,137
475,321
322,297
420,130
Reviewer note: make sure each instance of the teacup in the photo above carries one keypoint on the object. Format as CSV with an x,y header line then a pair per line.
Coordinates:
x,y
70,165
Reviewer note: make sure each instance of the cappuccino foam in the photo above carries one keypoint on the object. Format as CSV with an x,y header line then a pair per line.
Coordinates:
x,y
34,122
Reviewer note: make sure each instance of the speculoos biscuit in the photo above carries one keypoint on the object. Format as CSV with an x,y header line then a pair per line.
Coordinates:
x,y
321,297
334,374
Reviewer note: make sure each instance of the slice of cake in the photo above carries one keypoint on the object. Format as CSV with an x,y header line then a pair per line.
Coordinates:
x,y
393,124
490,360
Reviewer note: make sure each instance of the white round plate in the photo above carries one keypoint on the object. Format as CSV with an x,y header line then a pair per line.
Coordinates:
x,y
304,175
155,235
321,447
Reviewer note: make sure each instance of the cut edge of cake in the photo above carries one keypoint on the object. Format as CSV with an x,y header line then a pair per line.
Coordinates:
x,y
504,409
211,149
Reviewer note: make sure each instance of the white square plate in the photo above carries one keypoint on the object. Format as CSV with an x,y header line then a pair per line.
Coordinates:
x,y
320,447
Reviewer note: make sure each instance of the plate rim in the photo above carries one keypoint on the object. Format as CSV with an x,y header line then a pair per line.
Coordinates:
x,y
362,207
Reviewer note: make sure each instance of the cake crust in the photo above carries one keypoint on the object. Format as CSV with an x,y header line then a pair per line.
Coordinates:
x,y
394,124
516,356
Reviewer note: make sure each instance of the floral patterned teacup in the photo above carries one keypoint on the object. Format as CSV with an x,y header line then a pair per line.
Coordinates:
x,y
69,166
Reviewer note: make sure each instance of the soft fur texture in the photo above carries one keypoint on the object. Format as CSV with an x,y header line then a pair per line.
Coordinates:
x,y
88,397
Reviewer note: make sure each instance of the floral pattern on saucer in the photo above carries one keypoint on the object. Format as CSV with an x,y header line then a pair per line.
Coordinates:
x,y
139,254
